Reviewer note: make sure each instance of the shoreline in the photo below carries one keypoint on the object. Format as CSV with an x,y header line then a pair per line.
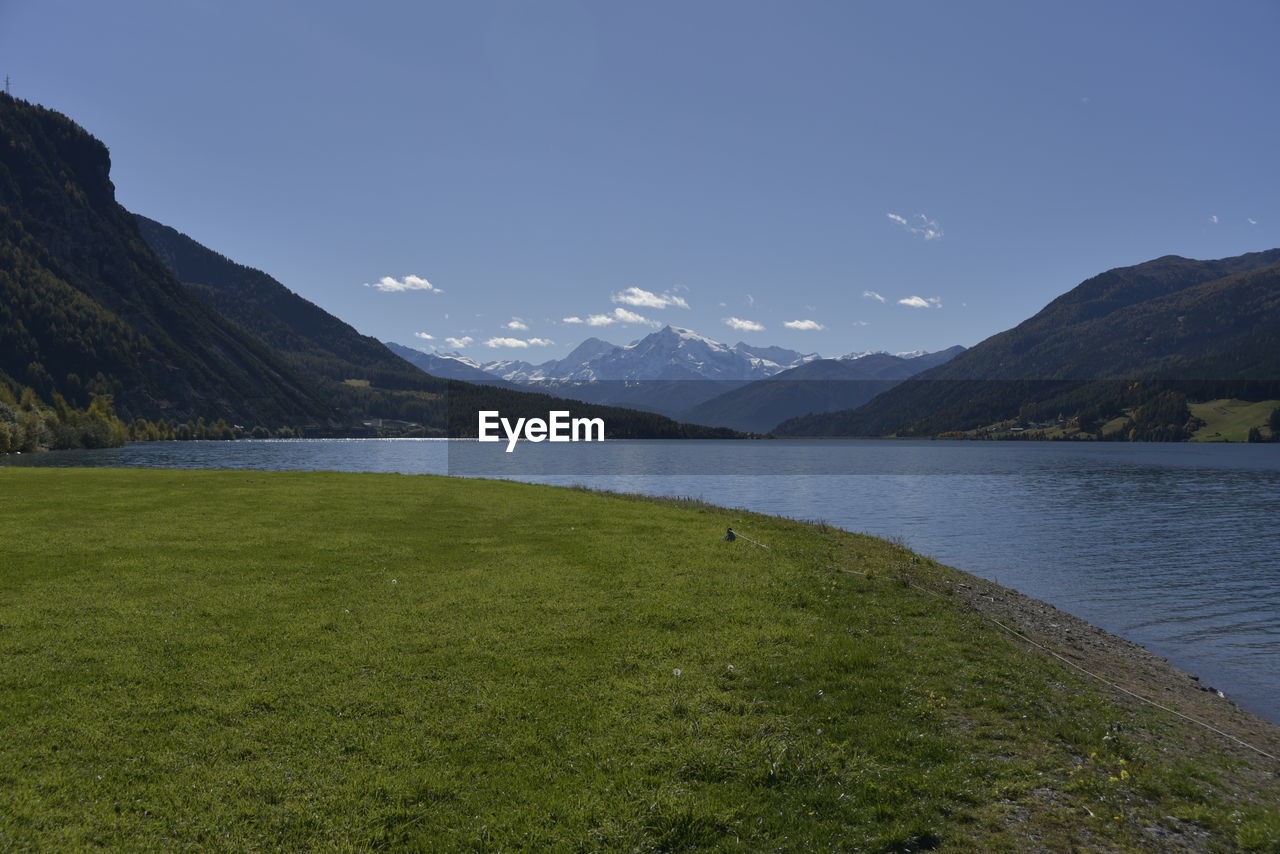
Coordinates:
x,y
1120,662
1090,647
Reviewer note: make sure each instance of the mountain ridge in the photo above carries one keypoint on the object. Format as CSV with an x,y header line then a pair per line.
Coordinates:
x,y
316,340
822,385
87,308
1203,329
444,367
670,353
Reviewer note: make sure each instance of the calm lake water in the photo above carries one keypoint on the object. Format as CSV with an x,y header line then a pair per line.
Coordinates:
x,y
1176,547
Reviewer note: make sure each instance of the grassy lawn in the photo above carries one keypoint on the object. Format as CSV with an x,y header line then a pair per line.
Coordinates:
x,y
240,661
1230,420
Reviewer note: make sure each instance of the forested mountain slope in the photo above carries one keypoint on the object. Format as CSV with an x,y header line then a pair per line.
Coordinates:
x,y
1201,329
86,307
823,385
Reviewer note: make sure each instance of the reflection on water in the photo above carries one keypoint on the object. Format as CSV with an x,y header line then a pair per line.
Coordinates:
x,y
1172,546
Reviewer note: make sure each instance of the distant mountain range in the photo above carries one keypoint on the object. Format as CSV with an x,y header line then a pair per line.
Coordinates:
x,y
672,353
1199,330
680,373
823,385
445,366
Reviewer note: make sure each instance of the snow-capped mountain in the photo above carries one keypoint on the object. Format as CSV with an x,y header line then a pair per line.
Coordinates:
x,y
778,355
671,353
575,366
466,360
910,354
450,366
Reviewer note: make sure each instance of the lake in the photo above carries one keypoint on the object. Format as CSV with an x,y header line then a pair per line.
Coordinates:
x,y
1176,547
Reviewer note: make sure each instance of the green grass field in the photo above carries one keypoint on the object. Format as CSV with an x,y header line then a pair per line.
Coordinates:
x,y
1230,420
242,661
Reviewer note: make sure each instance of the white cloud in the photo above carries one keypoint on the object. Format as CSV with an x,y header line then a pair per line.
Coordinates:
x,y
641,298
925,227
619,315
751,301
873,295
623,316
571,320
861,323
921,302
803,325
517,323
1213,219
518,342
459,343
1251,220
424,336
389,285
743,325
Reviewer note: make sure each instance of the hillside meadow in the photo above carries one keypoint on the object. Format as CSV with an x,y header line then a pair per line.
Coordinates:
x,y
1231,420
243,661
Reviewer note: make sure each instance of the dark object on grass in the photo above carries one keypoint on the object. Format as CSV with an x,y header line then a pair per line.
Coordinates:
x,y
732,535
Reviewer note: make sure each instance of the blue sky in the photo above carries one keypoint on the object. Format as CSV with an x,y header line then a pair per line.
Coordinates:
x,y
761,163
